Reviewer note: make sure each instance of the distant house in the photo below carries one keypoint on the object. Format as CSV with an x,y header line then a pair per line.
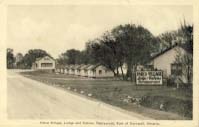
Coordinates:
x,y
91,72
99,71
84,70
77,69
66,69
62,69
44,63
166,61
72,69
58,68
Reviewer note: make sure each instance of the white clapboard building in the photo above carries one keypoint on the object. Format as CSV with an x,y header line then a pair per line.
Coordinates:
x,y
44,63
166,61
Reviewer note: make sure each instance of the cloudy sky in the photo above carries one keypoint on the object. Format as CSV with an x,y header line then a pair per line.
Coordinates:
x,y
58,28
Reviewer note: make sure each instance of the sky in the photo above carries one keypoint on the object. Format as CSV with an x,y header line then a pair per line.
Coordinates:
x,y
61,27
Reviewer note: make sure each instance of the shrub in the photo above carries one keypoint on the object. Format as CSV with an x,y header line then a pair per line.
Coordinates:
x,y
181,107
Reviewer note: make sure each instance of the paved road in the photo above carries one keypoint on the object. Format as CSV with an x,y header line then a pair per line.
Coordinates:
x,y
29,99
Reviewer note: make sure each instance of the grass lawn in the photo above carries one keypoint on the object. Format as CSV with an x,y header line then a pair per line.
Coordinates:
x,y
145,100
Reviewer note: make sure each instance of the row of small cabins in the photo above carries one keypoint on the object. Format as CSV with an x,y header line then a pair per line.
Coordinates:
x,y
164,61
92,71
47,63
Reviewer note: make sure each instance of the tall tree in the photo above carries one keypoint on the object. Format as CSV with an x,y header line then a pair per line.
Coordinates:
x,y
186,59
32,55
10,58
71,56
18,60
137,42
186,33
105,51
168,39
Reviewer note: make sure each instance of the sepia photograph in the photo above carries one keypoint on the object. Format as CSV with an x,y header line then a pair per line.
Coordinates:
x,y
104,62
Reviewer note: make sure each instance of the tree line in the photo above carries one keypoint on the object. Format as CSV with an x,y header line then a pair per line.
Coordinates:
x,y
128,44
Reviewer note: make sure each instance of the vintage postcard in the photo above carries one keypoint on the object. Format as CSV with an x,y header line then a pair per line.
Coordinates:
x,y
106,64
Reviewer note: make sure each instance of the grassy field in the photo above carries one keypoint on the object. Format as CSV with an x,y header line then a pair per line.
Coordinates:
x,y
146,100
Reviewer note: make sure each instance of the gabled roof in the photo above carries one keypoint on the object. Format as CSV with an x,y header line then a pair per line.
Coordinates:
x,y
67,66
92,67
37,59
79,67
85,67
164,51
72,66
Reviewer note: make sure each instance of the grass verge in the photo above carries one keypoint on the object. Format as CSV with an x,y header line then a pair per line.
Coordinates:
x,y
145,100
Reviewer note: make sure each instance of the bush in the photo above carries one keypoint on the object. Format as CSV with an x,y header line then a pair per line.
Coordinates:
x,y
171,81
181,107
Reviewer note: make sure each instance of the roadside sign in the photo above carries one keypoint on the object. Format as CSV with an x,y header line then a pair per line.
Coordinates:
x,y
149,77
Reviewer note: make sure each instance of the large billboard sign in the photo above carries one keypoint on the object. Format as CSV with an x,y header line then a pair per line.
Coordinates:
x,y
149,77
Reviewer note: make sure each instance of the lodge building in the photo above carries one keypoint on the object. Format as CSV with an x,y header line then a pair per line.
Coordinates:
x,y
166,61
46,63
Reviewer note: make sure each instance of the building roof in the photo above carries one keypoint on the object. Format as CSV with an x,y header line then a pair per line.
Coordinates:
x,y
67,66
37,59
72,66
163,51
92,67
85,67
79,67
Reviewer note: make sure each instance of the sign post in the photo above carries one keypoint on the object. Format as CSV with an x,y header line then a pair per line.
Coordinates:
x,y
149,78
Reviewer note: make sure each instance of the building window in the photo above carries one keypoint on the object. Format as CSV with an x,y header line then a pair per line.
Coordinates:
x,y
176,69
100,72
46,64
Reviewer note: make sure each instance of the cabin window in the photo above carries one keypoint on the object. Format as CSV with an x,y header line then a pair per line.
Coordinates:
x,y
176,69
100,72
46,64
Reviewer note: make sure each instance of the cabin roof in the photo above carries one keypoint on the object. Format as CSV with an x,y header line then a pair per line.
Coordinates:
x,y
79,67
85,67
92,67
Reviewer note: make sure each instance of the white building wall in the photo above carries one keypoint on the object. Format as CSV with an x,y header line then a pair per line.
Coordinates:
x,y
83,73
71,71
164,61
104,72
66,71
91,73
77,72
44,60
